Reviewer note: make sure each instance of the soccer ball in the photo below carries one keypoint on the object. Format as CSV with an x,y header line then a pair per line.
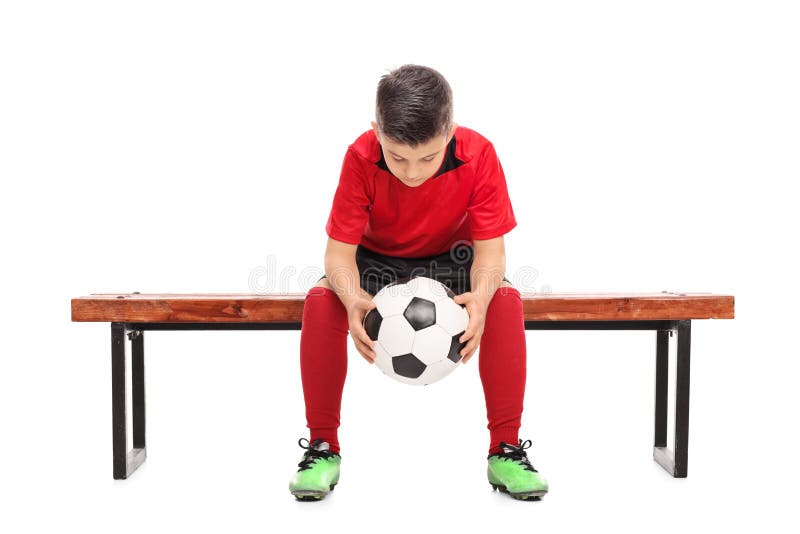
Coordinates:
x,y
416,326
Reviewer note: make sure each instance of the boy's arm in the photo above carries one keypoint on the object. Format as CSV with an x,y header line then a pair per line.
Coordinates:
x,y
343,277
488,268
486,276
342,272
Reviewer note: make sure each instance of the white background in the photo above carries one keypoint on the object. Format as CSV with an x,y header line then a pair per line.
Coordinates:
x,y
182,146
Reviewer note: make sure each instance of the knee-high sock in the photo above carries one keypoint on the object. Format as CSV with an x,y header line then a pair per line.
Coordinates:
x,y
502,365
323,362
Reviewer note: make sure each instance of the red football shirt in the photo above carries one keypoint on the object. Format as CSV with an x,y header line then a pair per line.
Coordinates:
x,y
466,199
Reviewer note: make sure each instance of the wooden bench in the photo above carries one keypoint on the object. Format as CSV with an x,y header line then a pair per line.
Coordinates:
x,y
668,314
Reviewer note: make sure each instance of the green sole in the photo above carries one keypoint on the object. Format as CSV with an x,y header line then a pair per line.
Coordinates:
x,y
523,496
307,496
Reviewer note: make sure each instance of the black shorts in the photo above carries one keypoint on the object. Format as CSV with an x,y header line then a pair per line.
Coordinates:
x,y
451,268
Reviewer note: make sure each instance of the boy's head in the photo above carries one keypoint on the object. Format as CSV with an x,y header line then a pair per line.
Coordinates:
x,y
414,121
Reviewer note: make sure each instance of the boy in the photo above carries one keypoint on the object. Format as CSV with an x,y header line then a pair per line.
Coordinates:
x,y
417,195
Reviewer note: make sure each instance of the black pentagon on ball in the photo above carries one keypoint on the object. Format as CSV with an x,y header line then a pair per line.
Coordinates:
x,y
372,323
455,348
420,313
408,366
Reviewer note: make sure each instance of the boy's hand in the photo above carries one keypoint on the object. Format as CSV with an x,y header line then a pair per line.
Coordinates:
x,y
477,320
355,315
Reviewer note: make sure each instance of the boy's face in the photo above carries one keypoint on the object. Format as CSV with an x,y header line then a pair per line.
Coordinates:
x,y
413,166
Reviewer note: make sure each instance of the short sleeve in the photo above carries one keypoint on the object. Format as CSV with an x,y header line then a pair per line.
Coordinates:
x,y
489,209
351,202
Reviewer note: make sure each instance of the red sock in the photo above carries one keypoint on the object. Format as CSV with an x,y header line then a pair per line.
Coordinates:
x,y
502,367
323,362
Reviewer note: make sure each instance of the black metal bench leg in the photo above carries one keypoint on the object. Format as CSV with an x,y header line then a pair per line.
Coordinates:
x,y
126,462
675,461
662,382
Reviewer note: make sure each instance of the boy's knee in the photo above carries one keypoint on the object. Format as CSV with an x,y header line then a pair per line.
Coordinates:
x,y
321,289
323,282
322,303
507,289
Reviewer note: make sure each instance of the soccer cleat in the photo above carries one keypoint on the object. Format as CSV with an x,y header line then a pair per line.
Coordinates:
x,y
511,472
318,473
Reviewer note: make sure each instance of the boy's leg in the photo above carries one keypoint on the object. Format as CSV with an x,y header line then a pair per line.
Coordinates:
x,y
323,361
502,365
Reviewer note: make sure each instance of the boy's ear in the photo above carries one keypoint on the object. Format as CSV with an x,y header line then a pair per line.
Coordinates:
x,y
375,129
452,131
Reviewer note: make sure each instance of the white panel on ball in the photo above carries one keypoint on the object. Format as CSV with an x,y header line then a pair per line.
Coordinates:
x,y
393,300
437,371
427,288
383,360
430,344
452,317
396,335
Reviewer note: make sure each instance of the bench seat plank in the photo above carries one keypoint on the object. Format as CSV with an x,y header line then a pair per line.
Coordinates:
x,y
288,307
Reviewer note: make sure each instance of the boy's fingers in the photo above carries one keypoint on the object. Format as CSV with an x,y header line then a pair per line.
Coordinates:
x,y
365,339
367,350
361,339
367,354
469,348
467,335
364,347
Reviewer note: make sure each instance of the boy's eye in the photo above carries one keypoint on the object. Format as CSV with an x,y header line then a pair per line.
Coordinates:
x,y
403,159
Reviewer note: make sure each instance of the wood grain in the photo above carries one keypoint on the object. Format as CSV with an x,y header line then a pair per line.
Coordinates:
x,y
288,307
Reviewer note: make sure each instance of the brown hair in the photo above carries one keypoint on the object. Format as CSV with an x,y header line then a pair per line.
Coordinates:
x,y
414,104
